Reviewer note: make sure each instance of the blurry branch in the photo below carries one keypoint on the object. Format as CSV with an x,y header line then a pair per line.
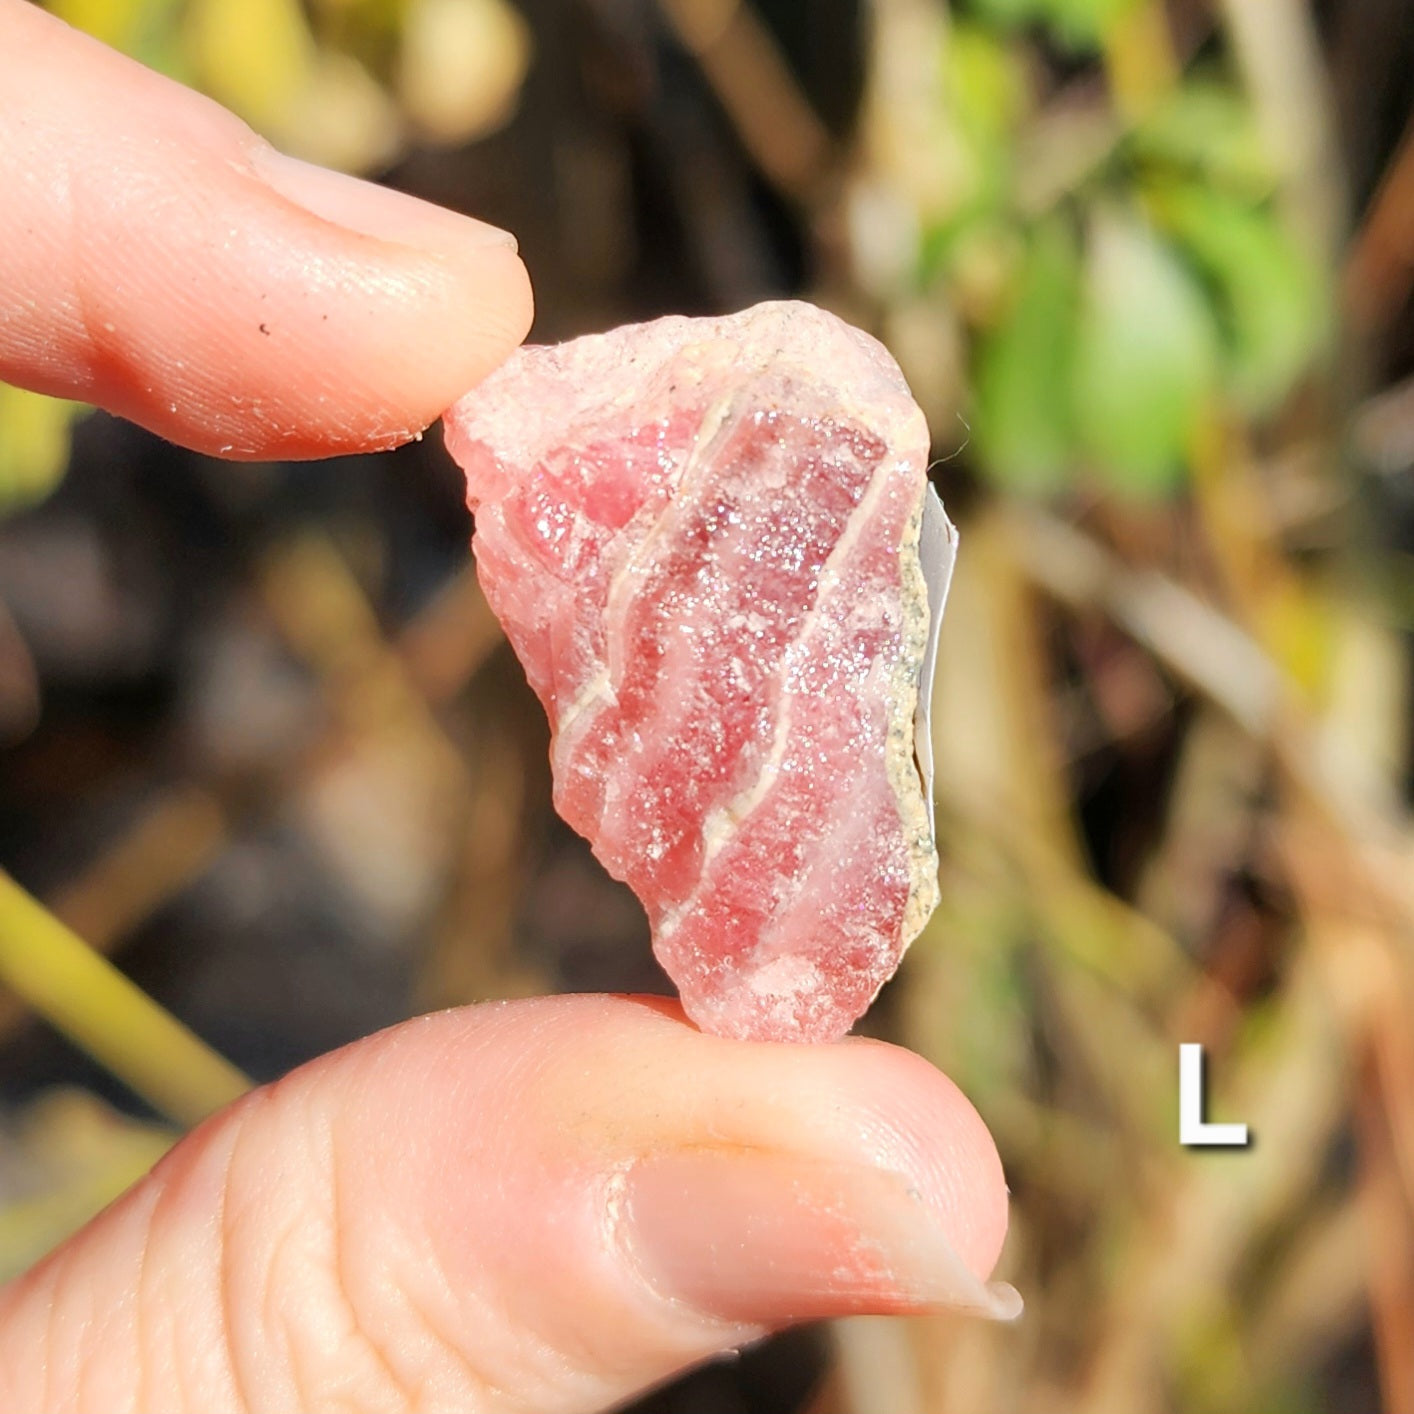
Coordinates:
x,y
1279,52
1211,653
183,831
1194,641
322,613
67,1156
1092,927
1346,846
1070,140
101,1011
1101,930
173,842
461,66
19,682
905,137
1390,1244
1140,59
382,742
876,1366
1379,272
1383,428
445,646
1203,1216
446,855
1069,1154
995,736
744,65
1343,804
1318,1296
263,59
1126,1058
34,445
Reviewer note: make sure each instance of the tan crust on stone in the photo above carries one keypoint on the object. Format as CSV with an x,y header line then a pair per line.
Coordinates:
x,y
900,761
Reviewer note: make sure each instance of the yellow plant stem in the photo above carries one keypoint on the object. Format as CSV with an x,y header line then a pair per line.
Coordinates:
x,y
1139,60
116,1022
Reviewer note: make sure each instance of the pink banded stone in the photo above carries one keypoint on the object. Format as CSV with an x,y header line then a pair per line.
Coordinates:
x,y
701,537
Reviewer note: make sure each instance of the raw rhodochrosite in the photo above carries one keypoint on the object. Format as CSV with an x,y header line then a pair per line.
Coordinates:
x,y
701,536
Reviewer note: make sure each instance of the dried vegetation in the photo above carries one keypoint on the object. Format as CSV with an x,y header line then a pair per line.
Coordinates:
x,y
1148,268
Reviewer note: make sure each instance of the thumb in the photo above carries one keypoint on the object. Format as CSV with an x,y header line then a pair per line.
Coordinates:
x,y
160,260
537,1206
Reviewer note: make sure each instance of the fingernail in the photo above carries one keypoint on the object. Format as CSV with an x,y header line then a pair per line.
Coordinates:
x,y
372,210
768,1238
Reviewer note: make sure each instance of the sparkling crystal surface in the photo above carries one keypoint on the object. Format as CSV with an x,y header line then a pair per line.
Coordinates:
x,y
701,537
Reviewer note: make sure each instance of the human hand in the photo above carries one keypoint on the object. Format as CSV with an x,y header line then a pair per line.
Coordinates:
x,y
160,260
538,1206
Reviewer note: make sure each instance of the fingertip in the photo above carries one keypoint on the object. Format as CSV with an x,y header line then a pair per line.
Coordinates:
x,y
161,261
822,1179
465,303
369,389
273,331
887,1104
857,1102
943,1142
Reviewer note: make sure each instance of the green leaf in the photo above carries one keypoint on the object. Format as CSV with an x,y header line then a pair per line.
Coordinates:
x,y
1008,12
1271,297
1079,24
1083,24
34,445
254,56
984,94
984,82
145,30
1024,427
1207,129
1146,357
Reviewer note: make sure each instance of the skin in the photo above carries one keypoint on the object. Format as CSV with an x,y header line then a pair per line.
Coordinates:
x,y
541,1206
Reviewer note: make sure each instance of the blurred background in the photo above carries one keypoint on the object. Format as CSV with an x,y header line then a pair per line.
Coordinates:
x,y
1148,267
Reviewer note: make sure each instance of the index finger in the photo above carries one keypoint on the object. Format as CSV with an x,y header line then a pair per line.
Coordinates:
x,y
159,259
